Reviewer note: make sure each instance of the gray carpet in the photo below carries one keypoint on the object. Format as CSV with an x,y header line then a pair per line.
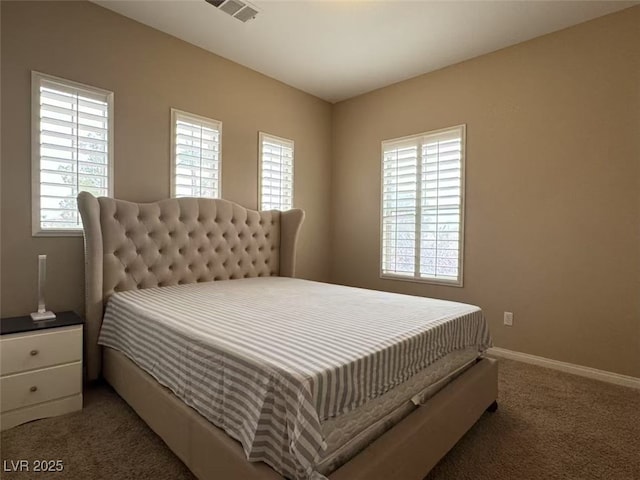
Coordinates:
x,y
550,425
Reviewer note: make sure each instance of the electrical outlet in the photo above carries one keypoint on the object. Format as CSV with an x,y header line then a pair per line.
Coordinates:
x,y
508,319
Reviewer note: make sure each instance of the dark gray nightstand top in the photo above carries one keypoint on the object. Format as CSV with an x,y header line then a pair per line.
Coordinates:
x,y
25,324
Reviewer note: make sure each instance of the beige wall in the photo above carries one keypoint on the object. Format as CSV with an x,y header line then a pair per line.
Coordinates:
x,y
149,72
553,188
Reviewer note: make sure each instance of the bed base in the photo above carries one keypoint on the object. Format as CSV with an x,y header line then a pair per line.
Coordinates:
x,y
407,451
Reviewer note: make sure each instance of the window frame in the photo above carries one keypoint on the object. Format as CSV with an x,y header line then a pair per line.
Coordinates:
x,y
261,136
36,81
463,154
175,113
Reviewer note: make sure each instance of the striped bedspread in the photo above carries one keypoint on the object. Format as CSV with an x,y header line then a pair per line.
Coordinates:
x,y
268,359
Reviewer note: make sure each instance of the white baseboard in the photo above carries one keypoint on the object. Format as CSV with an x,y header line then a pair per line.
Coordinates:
x,y
588,372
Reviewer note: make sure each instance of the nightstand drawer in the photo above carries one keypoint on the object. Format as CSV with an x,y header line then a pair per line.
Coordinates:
x,y
21,352
24,389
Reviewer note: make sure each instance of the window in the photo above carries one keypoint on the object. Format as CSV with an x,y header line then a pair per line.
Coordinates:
x,y
423,207
195,147
72,151
276,173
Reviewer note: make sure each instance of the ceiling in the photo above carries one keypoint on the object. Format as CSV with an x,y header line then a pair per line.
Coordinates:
x,y
339,49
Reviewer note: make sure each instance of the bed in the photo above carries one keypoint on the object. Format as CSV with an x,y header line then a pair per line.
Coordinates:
x,y
195,318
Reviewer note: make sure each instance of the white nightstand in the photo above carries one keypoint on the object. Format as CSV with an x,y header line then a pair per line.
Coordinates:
x,y
40,368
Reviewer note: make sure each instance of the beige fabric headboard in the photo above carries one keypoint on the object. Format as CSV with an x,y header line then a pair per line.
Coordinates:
x,y
175,241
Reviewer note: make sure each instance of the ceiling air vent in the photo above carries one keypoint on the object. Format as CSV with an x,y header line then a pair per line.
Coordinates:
x,y
239,9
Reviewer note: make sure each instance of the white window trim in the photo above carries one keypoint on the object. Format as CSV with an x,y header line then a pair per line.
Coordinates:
x,y
261,136
200,119
36,77
432,281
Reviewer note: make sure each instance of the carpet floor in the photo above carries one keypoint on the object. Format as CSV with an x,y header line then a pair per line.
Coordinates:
x,y
550,425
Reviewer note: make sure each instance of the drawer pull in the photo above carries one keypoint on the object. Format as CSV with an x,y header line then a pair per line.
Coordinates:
x,y
33,353
33,389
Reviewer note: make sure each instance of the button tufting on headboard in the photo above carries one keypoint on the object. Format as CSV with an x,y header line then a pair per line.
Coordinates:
x,y
195,240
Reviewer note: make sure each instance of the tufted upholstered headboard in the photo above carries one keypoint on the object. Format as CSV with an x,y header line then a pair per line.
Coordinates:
x,y
175,241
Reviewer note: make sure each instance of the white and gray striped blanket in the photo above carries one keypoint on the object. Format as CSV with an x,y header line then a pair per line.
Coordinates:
x,y
268,359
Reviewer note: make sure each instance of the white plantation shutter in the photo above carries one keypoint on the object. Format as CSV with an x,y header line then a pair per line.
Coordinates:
x,y
72,150
196,155
423,206
276,172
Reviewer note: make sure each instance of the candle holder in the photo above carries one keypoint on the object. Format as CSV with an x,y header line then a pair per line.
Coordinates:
x,y
42,313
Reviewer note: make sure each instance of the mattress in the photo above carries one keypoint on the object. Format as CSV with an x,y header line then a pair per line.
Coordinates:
x,y
348,434
270,359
